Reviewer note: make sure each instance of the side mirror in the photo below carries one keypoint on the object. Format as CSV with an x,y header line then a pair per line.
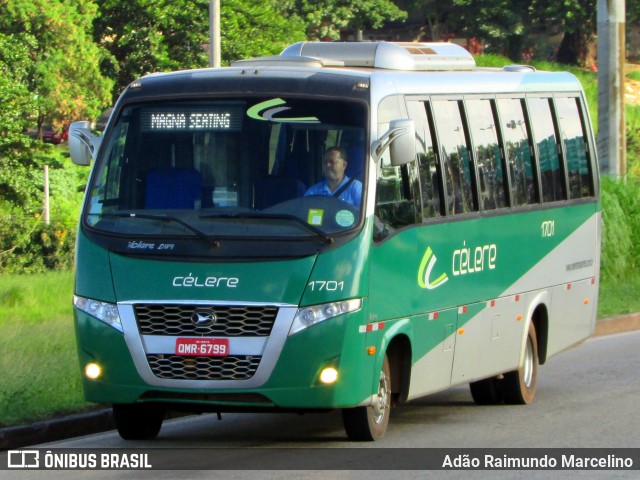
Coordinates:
x,y
83,145
400,139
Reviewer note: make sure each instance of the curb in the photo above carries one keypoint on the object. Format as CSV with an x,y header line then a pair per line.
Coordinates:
x,y
59,428
624,323
101,420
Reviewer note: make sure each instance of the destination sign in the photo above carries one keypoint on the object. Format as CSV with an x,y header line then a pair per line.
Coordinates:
x,y
223,118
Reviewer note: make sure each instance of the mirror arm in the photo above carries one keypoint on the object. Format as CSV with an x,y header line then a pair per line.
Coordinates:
x,y
89,139
379,146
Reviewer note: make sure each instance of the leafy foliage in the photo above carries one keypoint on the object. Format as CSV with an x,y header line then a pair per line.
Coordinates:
x,y
27,244
621,227
256,28
324,19
144,36
62,69
502,24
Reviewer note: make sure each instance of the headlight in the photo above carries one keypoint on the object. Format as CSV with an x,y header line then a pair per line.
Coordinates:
x,y
105,312
308,316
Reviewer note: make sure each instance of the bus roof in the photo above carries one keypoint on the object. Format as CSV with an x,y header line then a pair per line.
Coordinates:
x,y
413,68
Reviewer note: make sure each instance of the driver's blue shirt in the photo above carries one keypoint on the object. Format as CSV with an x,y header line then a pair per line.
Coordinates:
x,y
352,194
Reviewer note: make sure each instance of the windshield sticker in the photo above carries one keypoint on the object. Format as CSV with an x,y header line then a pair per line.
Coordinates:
x,y
267,110
345,218
315,216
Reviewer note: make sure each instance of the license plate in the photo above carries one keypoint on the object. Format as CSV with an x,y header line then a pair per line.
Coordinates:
x,y
202,347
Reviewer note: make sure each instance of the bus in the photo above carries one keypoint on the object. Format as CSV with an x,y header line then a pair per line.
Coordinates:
x,y
457,244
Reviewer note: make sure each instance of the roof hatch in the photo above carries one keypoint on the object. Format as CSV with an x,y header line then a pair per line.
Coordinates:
x,y
387,55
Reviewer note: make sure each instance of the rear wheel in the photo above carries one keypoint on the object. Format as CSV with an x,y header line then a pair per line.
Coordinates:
x,y
138,421
519,386
486,392
370,422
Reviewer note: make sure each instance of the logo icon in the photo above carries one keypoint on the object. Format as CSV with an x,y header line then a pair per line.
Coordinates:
x,y
203,318
267,111
24,459
424,272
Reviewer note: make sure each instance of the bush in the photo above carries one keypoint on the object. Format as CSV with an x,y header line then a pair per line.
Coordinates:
x,y
621,227
27,244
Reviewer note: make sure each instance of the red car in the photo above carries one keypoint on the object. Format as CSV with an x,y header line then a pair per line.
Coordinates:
x,y
56,136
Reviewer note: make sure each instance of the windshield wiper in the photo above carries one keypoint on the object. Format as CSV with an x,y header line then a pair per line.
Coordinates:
x,y
164,218
272,216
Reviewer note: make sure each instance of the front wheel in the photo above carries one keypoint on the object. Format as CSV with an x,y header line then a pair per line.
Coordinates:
x,y
370,422
519,386
138,421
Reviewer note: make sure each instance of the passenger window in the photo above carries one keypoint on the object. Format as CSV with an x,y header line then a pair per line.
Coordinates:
x,y
429,170
491,178
517,151
551,167
455,156
575,145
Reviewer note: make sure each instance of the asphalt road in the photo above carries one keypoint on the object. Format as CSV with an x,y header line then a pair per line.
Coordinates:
x,y
587,398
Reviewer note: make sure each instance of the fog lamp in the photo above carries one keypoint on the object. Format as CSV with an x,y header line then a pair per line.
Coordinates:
x,y
92,371
329,375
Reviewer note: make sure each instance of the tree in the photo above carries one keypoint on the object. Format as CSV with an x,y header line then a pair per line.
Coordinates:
x,y
25,242
501,24
16,158
325,19
577,18
144,36
434,15
63,72
256,28
129,32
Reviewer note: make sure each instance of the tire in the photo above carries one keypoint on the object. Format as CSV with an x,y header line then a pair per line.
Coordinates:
x,y
370,423
486,392
519,386
138,421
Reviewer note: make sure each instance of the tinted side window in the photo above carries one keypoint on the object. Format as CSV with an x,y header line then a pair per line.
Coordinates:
x,y
575,145
551,167
427,162
455,156
517,151
491,178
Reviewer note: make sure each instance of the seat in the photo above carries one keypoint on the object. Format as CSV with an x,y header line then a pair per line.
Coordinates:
x,y
272,190
355,162
173,188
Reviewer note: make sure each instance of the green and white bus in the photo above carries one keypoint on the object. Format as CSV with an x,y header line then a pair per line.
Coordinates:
x,y
209,279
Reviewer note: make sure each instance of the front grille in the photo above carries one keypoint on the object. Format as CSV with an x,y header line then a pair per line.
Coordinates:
x,y
230,321
203,368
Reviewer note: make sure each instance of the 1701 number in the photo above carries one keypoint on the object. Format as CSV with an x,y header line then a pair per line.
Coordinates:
x,y
326,285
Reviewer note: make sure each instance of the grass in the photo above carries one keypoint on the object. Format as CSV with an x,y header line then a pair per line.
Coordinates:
x,y
39,366
634,75
619,296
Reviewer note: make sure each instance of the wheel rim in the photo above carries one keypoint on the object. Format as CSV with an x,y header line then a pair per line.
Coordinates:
x,y
381,403
527,368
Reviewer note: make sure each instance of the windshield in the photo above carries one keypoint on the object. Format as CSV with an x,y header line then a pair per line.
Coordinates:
x,y
266,167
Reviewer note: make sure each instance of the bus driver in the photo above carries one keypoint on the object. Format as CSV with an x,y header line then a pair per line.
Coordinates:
x,y
336,183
